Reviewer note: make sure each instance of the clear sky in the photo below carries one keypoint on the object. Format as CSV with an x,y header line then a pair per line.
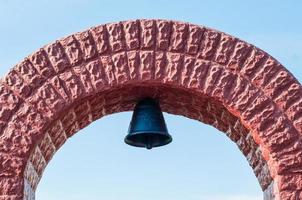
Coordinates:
x,y
201,163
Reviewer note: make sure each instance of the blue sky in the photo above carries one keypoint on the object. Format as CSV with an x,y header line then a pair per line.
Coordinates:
x,y
201,163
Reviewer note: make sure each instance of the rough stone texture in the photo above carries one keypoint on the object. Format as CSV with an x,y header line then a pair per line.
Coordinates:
x,y
194,71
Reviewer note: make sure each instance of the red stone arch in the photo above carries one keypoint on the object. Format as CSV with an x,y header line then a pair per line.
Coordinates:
x,y
194,71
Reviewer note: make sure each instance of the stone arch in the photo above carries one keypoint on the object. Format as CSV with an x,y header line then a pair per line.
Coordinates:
x,y
194,71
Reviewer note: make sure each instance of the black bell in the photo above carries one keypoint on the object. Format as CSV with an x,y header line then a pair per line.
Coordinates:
x,y
147,127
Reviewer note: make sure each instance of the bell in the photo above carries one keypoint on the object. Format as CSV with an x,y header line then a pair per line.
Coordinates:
x,y
147,127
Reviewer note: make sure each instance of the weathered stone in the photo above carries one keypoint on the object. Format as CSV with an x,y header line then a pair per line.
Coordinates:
x,y
179,37
116,36
11,186
72,49
41,62
146,65
109,69
174,66
163,34
120,61
132,34
133,64
194,71
57,56
209,42
87,45
100,36
194,37
225,49
241,52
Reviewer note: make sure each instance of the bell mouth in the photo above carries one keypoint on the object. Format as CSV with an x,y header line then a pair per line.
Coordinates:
x,y
148,139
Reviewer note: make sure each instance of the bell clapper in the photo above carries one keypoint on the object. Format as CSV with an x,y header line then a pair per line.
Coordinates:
x,y
149,146
148,143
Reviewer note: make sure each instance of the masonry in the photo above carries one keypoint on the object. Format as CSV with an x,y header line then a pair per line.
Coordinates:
x,y
193,71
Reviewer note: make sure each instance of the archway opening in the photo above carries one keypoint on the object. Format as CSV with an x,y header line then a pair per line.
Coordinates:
x,y
192,167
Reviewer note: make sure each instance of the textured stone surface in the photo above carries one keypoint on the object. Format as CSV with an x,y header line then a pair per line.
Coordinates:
x,y
194,71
